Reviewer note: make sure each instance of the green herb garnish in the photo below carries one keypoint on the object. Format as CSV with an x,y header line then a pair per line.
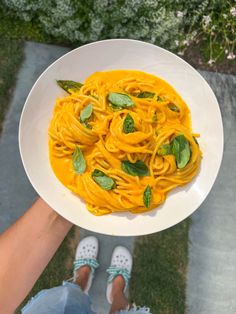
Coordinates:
x,y
159,98
165,149
147,196
78,161
128,125
87,125
154,117
146,95
105,182
70,86
180,148
120,101
86,113
135,169
173,107
181,151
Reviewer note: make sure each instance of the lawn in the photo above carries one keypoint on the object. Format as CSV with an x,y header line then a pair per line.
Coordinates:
x,y
160,268
11,56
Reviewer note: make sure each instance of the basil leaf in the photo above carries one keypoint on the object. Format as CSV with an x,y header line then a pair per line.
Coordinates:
x,y
146,95
85,113
159,98
154,117
119,101
176,150
135,169
173,107
165,149
87,125
147,196
103,180
97,173
69,86
128,125
78,161
181,151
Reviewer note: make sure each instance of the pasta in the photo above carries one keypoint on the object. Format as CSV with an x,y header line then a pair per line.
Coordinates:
x,y
122,141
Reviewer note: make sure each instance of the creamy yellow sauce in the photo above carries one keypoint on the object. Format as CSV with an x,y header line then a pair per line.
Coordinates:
x,y
105,144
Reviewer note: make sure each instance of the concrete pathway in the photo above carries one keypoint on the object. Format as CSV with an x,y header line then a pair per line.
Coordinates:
x,y
211,282
16,193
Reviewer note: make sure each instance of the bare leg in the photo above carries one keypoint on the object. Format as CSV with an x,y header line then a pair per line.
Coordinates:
x,y
120,301
25,249
82,275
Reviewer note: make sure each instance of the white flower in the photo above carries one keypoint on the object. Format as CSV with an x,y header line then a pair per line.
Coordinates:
x,y
180,14
233,11
177,42
231,56
206,19
224,16
226,50
211,61
186,42
180,53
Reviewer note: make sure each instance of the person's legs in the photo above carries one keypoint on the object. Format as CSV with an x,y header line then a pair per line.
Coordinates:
x,y
70,298
120,304
119,274
81,276
119,300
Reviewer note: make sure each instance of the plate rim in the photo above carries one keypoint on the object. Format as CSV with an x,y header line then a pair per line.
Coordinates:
x,y
138,233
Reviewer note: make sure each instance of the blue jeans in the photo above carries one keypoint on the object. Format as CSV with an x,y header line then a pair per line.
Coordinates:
x,y
66,299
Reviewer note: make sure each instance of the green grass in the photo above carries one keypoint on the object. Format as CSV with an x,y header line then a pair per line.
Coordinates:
x,y
159,273
59,268
11,56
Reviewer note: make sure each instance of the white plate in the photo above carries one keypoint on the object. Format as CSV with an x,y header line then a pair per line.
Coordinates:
x,y
121,54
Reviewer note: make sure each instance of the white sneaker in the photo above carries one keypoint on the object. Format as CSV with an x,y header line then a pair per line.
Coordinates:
x,y
86,254
121,264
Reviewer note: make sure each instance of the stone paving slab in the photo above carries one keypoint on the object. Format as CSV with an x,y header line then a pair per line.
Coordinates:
x,y
211,282
16,193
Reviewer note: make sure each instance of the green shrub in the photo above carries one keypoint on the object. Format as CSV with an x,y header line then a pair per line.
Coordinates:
x,y
86,21
173,24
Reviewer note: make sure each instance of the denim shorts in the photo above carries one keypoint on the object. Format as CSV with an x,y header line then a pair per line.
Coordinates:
x,y
67,299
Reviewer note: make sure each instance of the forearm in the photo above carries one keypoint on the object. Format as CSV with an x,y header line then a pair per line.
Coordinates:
x,y
25,250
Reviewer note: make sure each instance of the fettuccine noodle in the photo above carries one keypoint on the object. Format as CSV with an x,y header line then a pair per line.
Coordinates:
x,y
105,145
